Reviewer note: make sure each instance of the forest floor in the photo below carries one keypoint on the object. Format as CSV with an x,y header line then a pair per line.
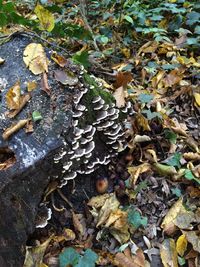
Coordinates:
x,y
146,208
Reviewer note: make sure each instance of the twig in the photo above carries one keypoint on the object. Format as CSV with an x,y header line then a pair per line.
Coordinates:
x,y
33,34
64,198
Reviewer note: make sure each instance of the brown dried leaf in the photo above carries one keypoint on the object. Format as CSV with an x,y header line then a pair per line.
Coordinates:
x,y
122,79
23,101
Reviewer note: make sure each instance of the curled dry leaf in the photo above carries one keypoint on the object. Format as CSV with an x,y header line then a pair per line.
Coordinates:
x,y
191,156
77,224
35,58
141,138
14,128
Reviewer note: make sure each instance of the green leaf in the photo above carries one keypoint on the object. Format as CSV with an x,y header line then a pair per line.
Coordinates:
x,y
151,115
174,160
82,58
135,219
129,19
145,98
181,261
36,115
170,135
189,176
88,259
164,169
68,257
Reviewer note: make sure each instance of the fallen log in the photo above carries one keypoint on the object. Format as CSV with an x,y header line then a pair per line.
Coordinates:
x,y
70,127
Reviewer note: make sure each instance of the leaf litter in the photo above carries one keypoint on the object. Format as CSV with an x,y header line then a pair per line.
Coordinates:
x,y
151,206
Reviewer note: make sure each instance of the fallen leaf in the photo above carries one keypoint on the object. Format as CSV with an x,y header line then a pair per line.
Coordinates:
x,y
35,59
119,96
122,79
111,204
137,170
168,253
178,216
34,255
13,96
60,60
181,245
193,238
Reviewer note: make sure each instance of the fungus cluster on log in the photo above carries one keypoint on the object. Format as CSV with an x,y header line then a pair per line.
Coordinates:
x,y
94,117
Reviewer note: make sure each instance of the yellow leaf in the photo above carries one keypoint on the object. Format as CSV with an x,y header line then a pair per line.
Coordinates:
x,y
168,253
45,17
31,86
13,96
197,98
110,205
178,216
35,59
181,245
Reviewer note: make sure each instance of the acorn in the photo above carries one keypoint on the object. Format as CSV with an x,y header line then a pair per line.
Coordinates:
x,y
102,185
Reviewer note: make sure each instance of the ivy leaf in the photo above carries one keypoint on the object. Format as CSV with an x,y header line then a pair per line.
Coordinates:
x,y
82,58
170,135
174,160
135,219
189,176
88,259
68,257
145,98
